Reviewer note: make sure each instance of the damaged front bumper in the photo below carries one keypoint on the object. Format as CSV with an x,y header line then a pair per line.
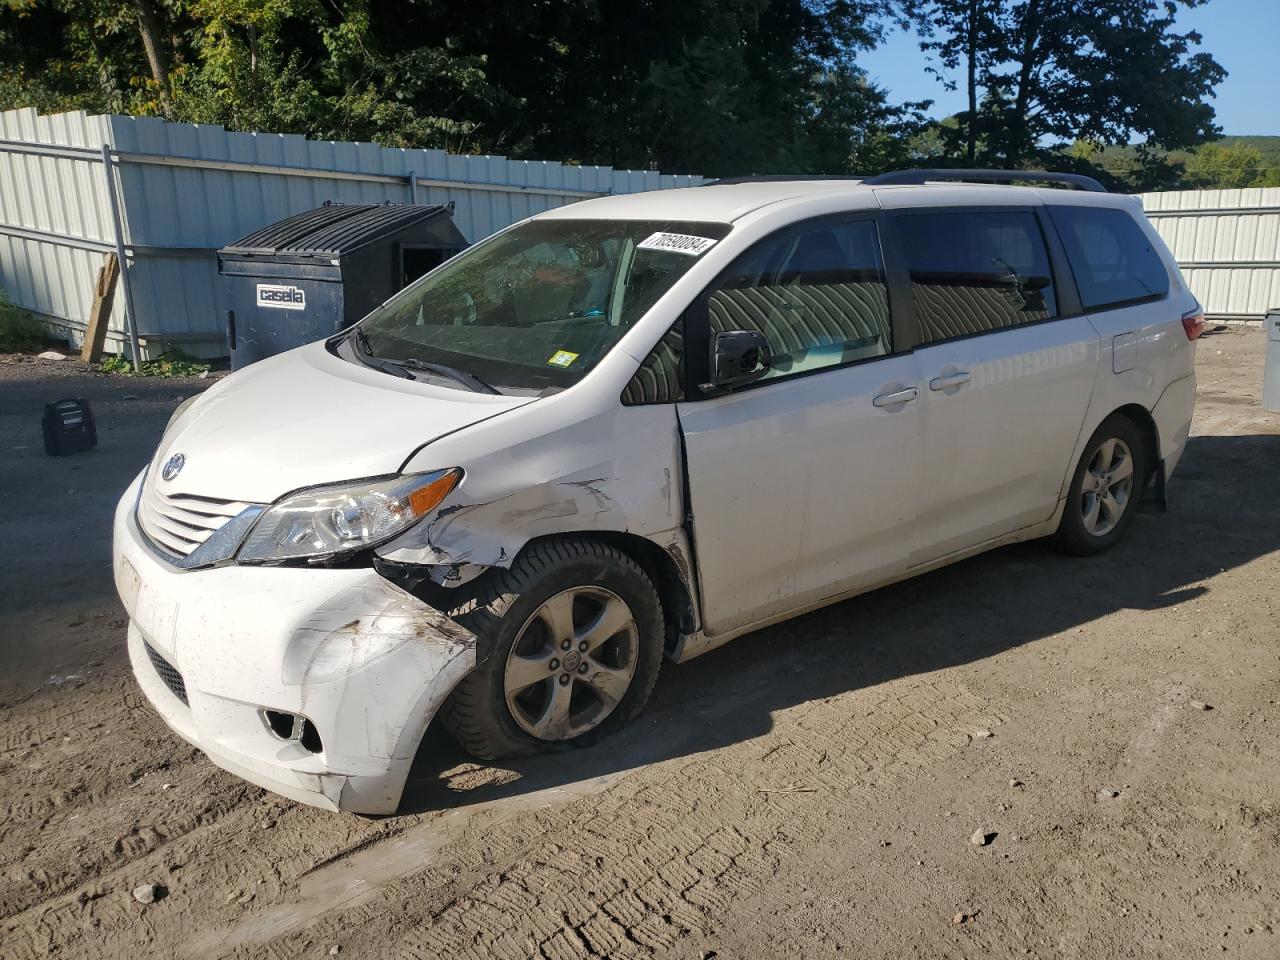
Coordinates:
x,y
364,662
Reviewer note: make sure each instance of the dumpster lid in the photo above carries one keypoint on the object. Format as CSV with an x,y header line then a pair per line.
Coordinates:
x,y
334,229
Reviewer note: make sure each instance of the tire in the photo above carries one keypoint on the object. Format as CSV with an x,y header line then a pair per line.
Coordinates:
x,y
1089,522
514,618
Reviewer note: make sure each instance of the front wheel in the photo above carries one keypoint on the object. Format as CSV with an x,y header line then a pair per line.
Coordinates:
x,y
1105,489
568,646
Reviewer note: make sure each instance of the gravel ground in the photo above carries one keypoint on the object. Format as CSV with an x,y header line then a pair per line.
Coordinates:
x,y
1106,728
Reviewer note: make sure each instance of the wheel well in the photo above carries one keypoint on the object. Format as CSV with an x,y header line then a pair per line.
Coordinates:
x,y
661,568
1141,418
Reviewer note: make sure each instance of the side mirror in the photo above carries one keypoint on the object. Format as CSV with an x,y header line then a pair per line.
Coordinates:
x,y
738,357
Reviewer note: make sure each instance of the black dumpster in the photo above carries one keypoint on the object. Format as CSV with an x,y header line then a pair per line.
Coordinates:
x,y
308,276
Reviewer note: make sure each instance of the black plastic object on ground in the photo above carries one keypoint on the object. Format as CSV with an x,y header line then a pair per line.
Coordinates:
x,y
68,427
308,276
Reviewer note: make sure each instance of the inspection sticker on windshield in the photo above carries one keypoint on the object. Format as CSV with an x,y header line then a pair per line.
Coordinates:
x,y
562,358
677,243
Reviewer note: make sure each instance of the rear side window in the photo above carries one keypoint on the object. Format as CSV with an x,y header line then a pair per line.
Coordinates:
x,y
1110,255
975,271
819,295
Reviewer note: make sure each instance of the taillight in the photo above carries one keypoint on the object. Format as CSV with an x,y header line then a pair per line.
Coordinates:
x,y
1193,323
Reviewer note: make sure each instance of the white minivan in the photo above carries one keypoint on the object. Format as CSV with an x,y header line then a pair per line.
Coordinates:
x,y
637,427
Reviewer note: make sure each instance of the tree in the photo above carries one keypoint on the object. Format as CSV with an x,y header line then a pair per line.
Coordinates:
x,y
1226,166
153,42
709,86
1050,72
99,54
302,66
959,32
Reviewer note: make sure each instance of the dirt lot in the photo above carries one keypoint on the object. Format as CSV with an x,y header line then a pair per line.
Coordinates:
x,y
807,791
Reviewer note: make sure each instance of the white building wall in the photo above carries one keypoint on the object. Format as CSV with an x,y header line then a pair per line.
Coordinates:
x,y
186,191
1227,243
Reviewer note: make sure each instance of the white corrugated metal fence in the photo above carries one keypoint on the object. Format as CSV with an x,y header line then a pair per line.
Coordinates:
x,y
1227,243
187,189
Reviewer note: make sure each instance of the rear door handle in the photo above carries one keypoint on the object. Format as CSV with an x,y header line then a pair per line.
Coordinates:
x,y
957,379
895,398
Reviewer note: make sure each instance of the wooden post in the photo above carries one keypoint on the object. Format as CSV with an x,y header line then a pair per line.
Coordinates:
x,y
95,334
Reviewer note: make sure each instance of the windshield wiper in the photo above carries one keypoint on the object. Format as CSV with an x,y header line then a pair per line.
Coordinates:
x,y
378,363
401,368
461,376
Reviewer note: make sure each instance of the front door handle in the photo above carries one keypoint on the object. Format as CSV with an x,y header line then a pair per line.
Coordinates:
x,y
895,398
957,379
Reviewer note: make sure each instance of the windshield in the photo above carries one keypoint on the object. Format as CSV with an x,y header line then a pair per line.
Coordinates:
x,y
533,308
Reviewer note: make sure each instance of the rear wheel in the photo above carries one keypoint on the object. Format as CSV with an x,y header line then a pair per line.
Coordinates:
x,y
1105,489
569,642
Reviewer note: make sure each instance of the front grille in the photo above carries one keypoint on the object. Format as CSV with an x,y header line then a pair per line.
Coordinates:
x,y
168,673
178,523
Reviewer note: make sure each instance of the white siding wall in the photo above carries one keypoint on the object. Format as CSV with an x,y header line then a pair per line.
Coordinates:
x,y
1227,243
59,196
179,296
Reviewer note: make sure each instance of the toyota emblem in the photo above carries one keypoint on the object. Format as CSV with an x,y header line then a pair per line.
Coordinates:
x,y
173,466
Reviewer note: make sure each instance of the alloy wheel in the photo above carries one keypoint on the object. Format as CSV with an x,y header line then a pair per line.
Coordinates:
x,y
572,663
1107,487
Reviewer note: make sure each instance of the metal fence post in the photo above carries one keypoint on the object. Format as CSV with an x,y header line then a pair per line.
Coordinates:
x,y
130,316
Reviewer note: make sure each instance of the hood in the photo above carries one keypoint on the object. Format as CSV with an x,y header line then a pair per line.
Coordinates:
x,y
306,417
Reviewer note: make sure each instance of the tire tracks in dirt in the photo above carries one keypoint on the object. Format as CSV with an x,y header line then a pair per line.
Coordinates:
x,y
664,851
70,857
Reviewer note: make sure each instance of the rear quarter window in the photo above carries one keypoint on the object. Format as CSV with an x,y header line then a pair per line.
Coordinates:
x,y
1113,260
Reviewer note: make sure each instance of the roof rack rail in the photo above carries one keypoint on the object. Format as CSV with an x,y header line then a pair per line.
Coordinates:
x,y
780,178
1076,181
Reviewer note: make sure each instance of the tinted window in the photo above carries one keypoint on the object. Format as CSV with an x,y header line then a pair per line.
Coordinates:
x,y
1110,255
819,295
660,378
975,271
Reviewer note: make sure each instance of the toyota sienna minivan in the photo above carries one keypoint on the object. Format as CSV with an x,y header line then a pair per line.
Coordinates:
x,y
632,428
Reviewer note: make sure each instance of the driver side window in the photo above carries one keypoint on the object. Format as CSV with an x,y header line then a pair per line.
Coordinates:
x,y
819,295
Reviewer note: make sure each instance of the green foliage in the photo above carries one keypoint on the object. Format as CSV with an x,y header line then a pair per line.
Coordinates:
x,y
715,87
1227,165
1045,74
20,331
710,86
165,365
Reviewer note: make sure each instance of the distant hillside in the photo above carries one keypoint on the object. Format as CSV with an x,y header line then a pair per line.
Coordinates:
x,y
1269,147
1230,150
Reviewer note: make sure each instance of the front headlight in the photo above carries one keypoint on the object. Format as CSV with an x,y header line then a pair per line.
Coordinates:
x,y
333,520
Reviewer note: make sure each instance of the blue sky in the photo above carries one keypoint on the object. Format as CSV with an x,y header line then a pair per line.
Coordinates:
x,y
1242,35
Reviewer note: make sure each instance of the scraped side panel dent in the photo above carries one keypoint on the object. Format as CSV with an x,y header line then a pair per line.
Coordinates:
x,y
615,472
